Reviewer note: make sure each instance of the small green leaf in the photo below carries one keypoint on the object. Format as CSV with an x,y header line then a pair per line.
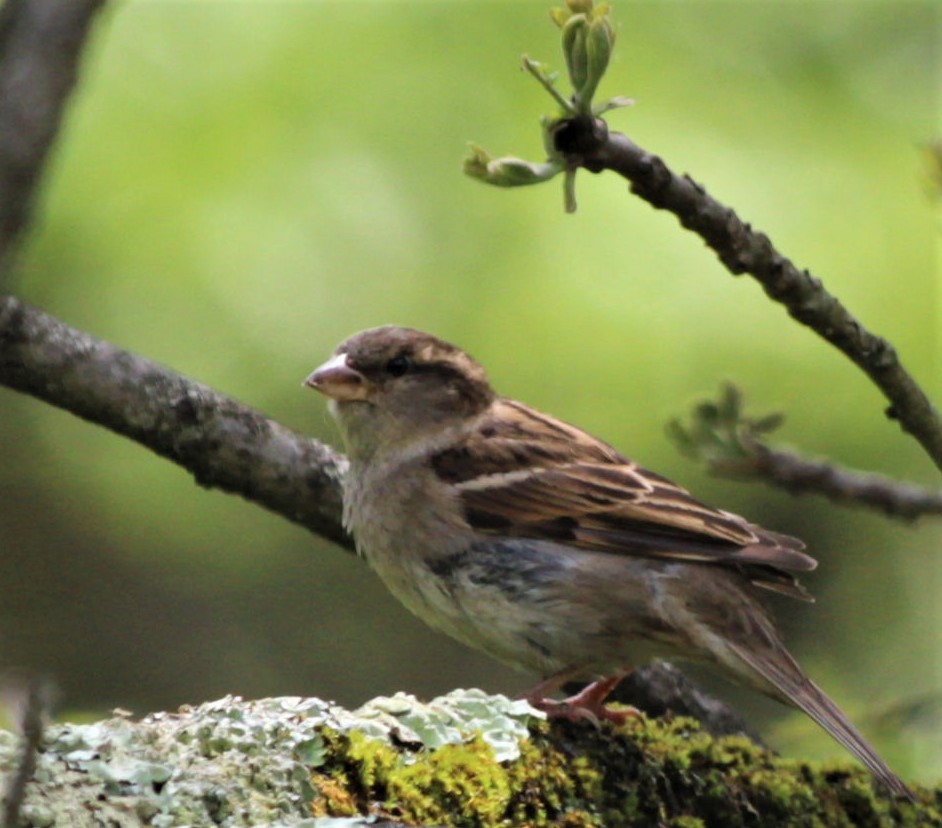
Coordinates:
x,y
508,171
730,403
612,103
680,437
547,80
720,434
587,38
768,424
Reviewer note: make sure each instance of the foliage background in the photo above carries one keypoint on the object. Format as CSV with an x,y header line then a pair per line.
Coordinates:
x,y
241,185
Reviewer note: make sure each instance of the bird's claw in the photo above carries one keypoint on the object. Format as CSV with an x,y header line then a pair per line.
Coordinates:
x,y
573,712
587,705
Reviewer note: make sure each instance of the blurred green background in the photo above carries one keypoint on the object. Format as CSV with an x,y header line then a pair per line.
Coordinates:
x,y
240,185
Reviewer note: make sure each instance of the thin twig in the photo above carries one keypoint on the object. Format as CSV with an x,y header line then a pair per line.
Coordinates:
x,y
741,249
731,443
40,45
804,475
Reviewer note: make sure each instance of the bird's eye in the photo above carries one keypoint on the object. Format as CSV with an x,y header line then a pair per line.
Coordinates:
x,y
398,366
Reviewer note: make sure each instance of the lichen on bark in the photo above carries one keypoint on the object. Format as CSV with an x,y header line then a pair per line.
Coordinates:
x,y
467,760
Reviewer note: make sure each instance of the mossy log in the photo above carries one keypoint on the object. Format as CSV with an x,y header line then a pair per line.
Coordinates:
x,y
466,759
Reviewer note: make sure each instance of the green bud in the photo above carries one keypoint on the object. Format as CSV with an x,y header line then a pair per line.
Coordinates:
x,y
579,6
600,38
507,171
574,34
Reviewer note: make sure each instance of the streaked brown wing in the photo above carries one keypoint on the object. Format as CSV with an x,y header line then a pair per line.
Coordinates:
x,y
523,474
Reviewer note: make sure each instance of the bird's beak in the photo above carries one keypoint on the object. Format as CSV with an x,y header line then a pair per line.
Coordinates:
x,y
337,380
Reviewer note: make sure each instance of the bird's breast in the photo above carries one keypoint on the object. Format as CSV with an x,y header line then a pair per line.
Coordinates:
x,y
534,604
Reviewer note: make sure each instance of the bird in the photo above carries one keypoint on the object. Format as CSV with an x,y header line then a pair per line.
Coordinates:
x,y
529,539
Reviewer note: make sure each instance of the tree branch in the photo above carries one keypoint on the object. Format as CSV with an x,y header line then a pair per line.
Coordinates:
x,y
464,759
40,45
731,444
587,143
223,444
800,475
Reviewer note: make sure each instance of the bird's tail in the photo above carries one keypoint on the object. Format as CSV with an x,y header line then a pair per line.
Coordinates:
x,y
792,685
813,701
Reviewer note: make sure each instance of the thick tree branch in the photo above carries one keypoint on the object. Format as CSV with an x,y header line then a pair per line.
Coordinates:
x,y
40,45
222,443
587,143
465,759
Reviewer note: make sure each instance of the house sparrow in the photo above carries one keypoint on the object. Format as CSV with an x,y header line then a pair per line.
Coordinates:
x,y
529,539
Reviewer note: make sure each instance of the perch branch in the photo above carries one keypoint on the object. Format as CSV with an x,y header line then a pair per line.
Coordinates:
x,y
587,143
223,444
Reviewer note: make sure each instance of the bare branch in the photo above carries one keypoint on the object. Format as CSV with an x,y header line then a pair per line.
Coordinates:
x,y
588,143
40,45
800,475
222,443
730,444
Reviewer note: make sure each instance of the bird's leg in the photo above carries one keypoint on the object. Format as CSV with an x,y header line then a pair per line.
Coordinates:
x,y
588,703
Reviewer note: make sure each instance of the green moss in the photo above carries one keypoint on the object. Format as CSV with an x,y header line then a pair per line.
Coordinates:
x,y
374,761
649,772
457,781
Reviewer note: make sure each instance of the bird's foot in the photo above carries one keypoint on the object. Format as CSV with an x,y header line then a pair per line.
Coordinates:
x,y
586,705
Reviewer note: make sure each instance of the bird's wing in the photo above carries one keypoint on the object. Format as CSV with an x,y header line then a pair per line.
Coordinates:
x,y
521,473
